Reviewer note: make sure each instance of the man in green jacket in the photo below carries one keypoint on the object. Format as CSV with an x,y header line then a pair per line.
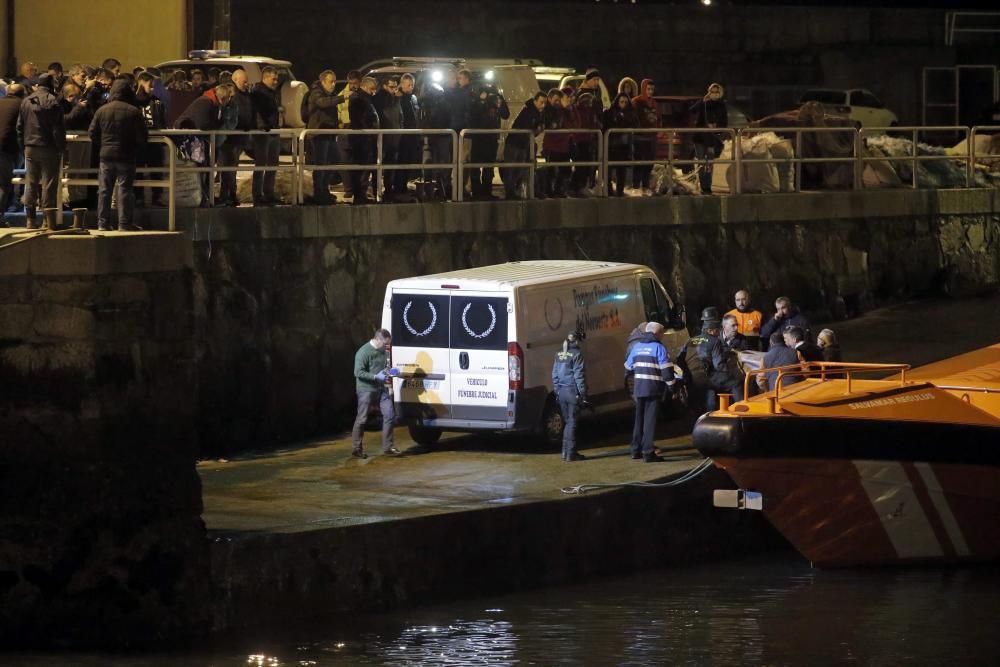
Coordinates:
x,y
370,373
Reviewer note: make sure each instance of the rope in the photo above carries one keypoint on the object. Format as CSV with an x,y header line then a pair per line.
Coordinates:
x,y
704,465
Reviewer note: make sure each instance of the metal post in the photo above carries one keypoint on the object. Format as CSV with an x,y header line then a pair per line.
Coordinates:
x,y
859,165
211,164
378,167
602,173
455,157
606,185
461,170
531,166
798,160
738,160
300,187
970,162
171,186
913,160
59,191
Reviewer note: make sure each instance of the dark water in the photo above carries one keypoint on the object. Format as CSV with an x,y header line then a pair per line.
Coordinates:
x,y
773,611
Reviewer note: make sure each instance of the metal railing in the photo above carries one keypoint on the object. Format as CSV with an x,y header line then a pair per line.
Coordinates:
x,y
531,165
822,369
74,174
379,166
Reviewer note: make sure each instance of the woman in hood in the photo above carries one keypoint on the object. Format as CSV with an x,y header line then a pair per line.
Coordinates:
x,y
620,115
628,86
709,111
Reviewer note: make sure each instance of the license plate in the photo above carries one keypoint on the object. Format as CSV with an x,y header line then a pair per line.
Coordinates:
x,y
416,383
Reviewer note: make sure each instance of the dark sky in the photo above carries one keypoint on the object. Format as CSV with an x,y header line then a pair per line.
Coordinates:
x,y
928,4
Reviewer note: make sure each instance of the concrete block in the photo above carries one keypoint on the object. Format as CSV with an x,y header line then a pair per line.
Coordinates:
x,y
16,320
56,321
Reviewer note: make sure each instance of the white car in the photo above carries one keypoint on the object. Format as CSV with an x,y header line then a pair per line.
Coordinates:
x,y
857,104
292,90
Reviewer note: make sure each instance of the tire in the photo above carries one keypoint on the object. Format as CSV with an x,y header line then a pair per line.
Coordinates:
x,y
551,428
424,435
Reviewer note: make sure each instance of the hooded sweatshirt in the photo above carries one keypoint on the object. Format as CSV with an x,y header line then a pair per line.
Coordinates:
x,y
118,129
40,123
617,116
645,111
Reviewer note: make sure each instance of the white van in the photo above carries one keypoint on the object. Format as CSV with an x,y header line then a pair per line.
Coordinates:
x,y
474,348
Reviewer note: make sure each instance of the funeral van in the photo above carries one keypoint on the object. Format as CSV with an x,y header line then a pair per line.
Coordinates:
x,y
473,349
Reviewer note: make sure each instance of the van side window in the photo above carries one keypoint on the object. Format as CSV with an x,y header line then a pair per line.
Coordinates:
x,y
420,320
650,307
478,323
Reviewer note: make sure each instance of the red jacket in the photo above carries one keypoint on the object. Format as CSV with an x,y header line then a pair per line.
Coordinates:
x,y
646,111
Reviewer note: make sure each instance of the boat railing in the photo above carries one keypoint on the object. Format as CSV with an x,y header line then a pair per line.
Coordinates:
x,y
824,370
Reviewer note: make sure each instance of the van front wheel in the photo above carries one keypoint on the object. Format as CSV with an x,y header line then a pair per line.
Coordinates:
x,y
424,435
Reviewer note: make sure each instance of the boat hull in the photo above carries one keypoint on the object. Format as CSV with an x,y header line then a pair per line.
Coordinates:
x,y
866,492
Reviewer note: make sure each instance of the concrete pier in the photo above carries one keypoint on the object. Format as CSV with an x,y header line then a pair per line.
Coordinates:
x,y
125,357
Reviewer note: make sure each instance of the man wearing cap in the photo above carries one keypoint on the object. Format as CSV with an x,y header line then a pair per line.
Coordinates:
x,y
717,361
649,366
569,383
41,129
592,84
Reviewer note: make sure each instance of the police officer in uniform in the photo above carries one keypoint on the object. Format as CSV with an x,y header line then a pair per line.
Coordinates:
x,y
717,360
569,382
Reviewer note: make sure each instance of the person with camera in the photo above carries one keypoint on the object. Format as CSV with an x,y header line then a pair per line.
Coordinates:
x,y
371,371
649,367
569,384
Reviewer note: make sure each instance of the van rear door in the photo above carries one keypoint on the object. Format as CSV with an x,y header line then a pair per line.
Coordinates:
x,y
420,338
478,361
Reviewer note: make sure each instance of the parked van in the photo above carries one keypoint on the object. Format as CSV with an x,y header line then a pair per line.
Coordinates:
x,y
474,348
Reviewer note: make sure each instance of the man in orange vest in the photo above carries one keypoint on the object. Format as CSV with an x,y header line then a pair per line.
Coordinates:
x,y
748,319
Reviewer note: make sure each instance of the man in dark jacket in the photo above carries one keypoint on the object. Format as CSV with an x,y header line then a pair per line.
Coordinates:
x,y
410,145
619,116
321,108
363,117
556,147
644,143
267,148
390,117
489,111
785,315
778,355
516,148
228,153
589,117
10,109
41,129
569,383
155,118
119,132
206,113
718,362
649,366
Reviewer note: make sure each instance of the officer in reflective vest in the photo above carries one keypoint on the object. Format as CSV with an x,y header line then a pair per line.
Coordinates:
x,y
569,382
649,366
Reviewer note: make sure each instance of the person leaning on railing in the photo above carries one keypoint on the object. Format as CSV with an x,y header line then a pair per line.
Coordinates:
x,y
204,113
266,147
619,116
710,111
517,145
322,114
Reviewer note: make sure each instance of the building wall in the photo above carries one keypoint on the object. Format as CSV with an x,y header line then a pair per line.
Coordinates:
x,y
140,32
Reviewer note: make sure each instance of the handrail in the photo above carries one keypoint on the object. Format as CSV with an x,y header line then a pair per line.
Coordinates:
x,y
913,158
821,368
378,166
670,162
531,165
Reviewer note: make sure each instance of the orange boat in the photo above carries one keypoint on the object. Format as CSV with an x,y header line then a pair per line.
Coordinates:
x,y
860,471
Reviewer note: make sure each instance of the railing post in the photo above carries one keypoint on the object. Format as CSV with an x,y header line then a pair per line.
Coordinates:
x,y
378,166
59,190
211,165
171,186
859,163
798,160
460,171
970,160
455,157
300,187
531,165
738,160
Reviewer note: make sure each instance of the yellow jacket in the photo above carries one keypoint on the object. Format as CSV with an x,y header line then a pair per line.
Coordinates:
x,y
748,323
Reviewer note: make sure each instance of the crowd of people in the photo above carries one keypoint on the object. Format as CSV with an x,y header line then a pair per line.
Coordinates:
x,y
38,109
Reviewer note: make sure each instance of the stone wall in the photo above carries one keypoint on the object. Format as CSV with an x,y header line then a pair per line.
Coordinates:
x,y
101,540
284,297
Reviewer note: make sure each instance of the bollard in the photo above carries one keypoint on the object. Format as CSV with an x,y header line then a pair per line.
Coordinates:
x,y
29,217
79,218
724,400
51,218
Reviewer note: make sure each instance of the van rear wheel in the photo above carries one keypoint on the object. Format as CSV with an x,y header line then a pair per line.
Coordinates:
x,y
551,429
424,435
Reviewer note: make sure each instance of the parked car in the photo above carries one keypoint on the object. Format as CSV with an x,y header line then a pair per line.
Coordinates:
x,y
857,104
293,91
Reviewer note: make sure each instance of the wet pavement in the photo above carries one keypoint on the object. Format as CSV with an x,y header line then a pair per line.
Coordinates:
x,y
318,485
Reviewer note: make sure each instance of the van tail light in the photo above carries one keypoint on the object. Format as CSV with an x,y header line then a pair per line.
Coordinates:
x,y
515,366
